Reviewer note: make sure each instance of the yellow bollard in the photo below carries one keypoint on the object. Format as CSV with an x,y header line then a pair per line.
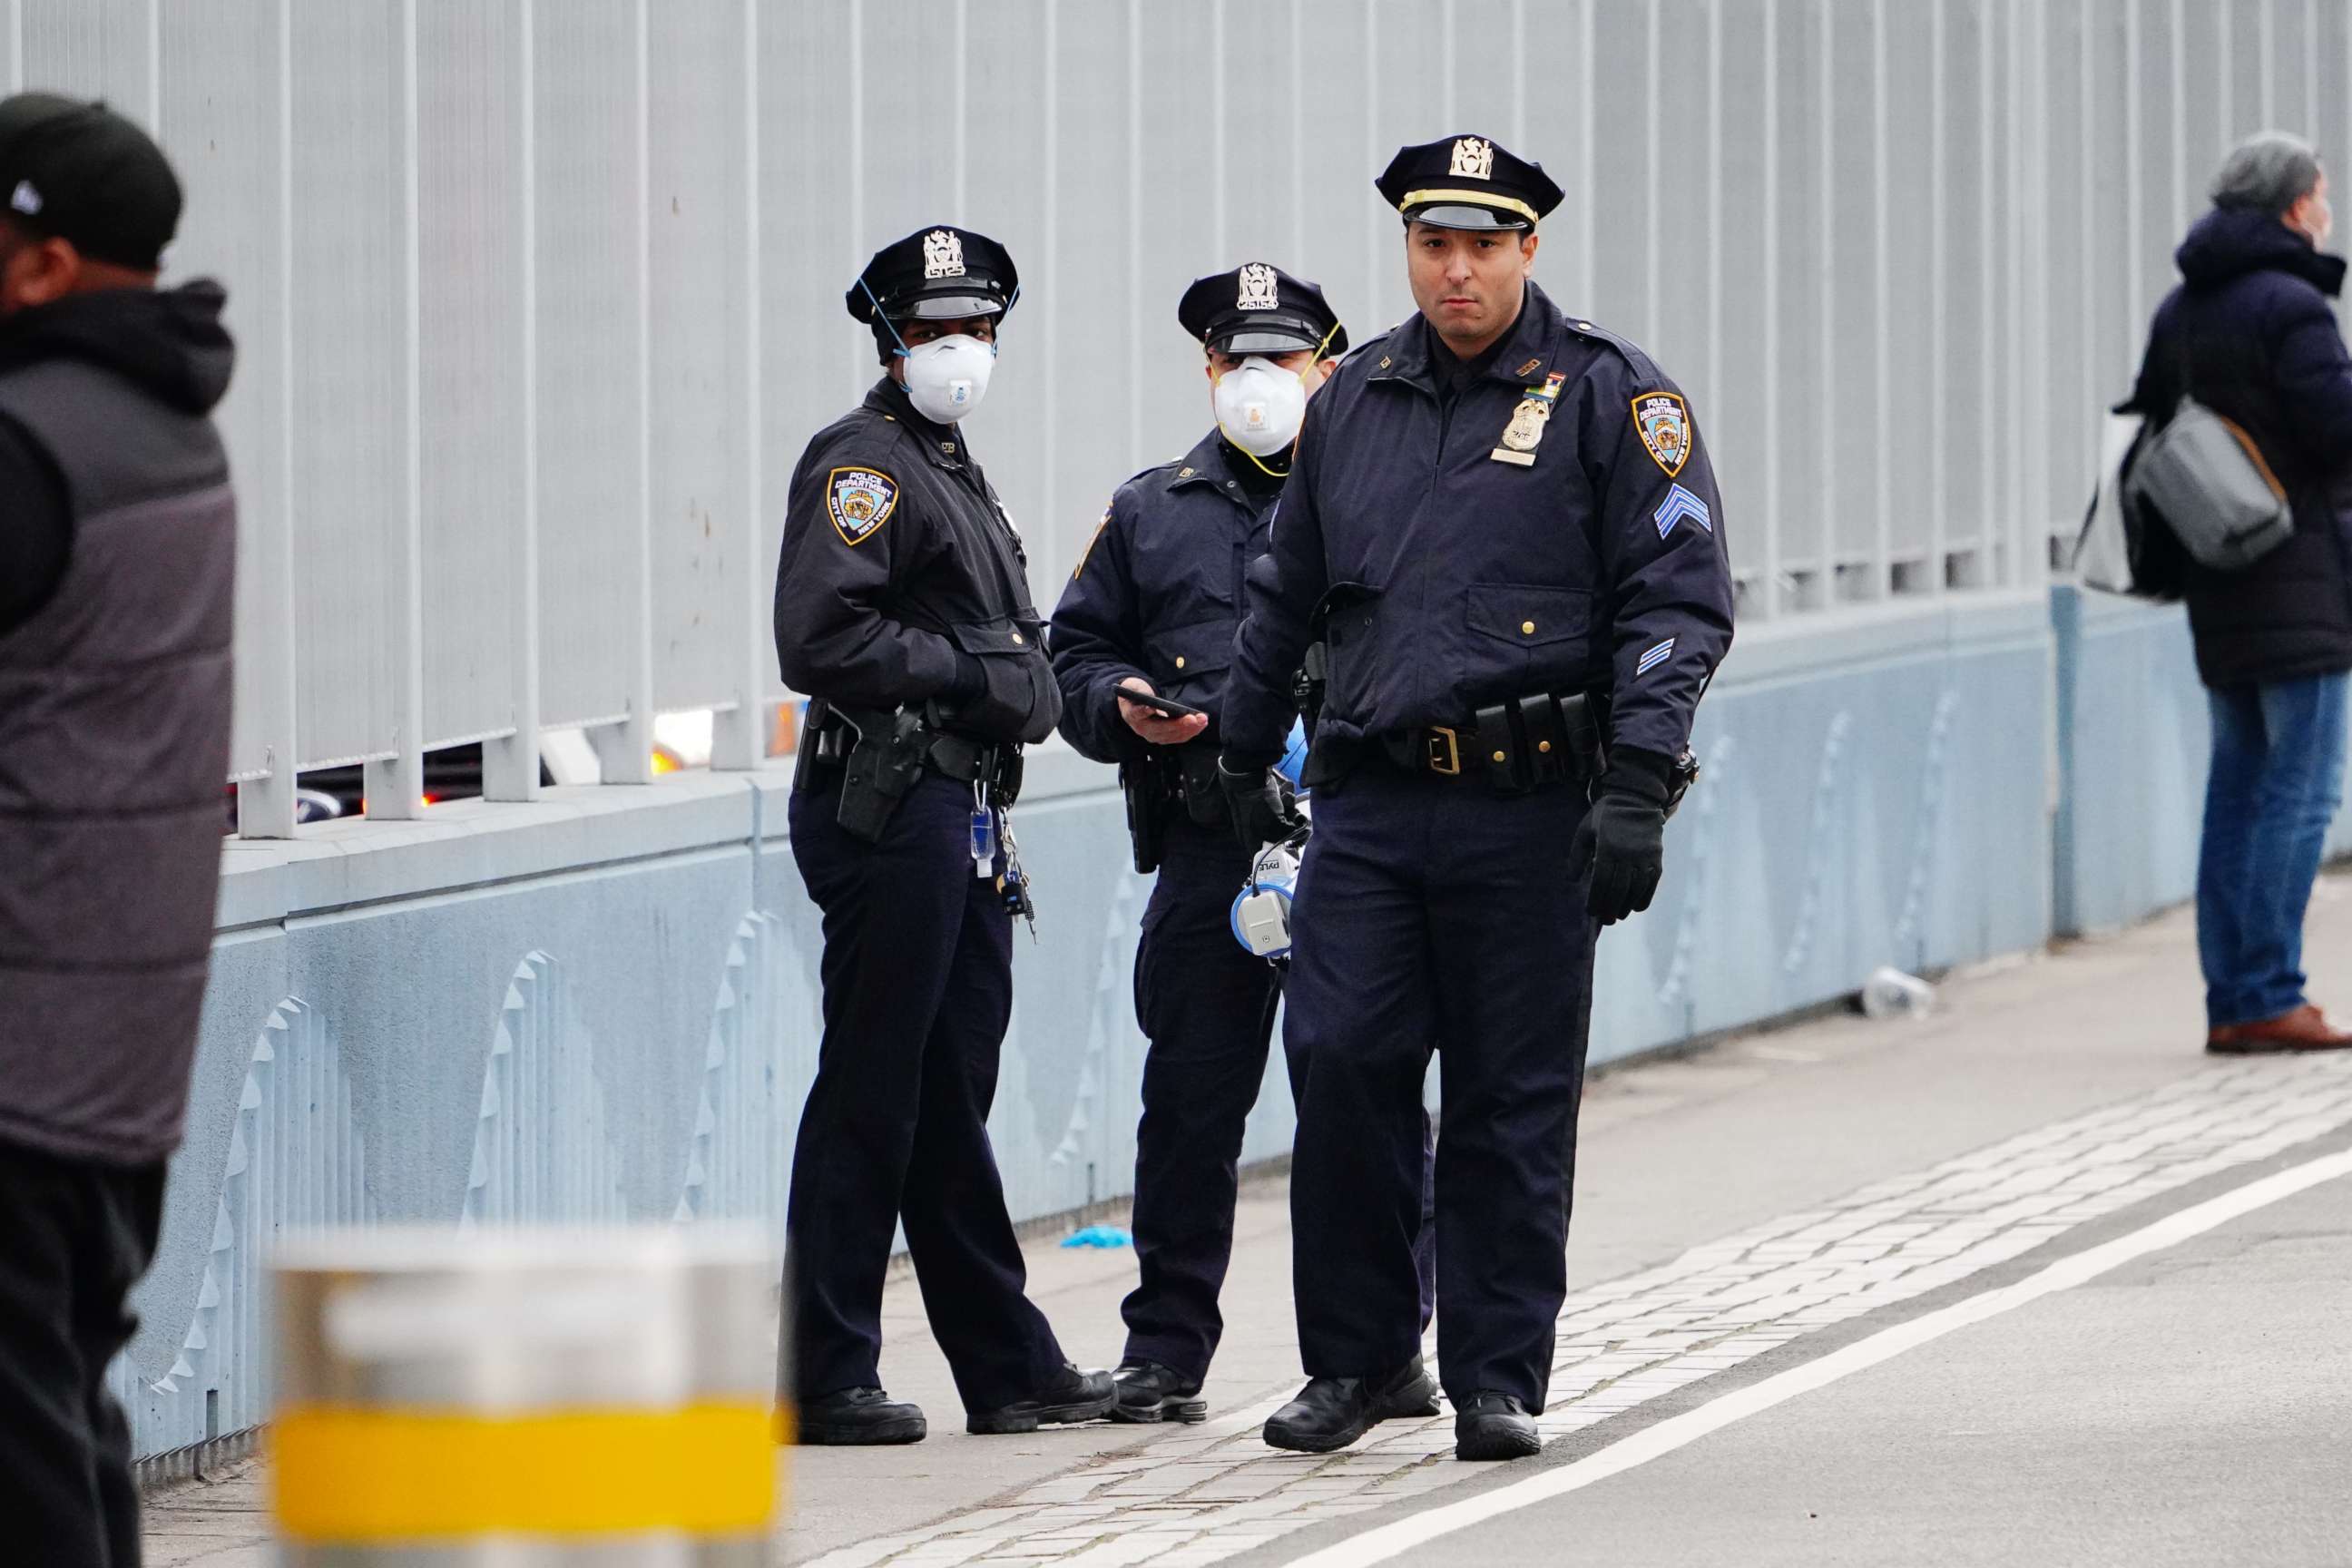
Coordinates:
x,y
525,1399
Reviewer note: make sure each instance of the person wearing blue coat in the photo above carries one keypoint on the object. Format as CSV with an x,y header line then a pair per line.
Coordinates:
x,y
1151,609
1505,519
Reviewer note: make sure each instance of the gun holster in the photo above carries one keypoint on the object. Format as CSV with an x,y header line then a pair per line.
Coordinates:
x,y
883,765
1151,803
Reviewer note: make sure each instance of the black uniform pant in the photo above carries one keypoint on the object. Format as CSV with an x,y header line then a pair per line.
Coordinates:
x,y
74,1238
918,977
1429,908
1207,1007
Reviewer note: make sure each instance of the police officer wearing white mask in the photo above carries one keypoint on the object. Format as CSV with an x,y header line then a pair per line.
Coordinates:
x,y
903,609
1150,613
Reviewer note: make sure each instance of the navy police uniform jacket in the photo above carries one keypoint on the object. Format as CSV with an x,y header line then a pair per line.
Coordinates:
x,y
1455,578
900,570
1158,594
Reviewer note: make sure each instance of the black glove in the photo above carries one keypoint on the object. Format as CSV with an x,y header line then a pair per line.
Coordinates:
x,y
1253,798
1621,842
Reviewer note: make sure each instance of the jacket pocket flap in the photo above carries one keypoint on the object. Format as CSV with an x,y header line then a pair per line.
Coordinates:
x,y
1529,615
1005,636
1196,648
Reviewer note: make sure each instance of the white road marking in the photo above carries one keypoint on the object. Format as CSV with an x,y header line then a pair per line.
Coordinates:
x,y
1204,1494
1390,1540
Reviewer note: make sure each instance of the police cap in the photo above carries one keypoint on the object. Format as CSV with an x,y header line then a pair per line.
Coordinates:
x,y
940,273
1467,182
80,173
1258,309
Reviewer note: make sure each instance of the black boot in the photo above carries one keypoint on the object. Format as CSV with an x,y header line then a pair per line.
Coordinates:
x,y
1332,1412
858,1416
1066,1396
1149,1392
1494,1426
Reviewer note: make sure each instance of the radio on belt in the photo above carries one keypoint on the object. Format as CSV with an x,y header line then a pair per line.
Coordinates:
x,y
1261,917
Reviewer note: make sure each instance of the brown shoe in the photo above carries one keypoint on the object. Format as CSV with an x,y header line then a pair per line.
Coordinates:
x,y
2304,1029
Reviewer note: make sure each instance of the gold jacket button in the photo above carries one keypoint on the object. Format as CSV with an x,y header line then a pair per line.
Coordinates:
x,y
1017,641
1180,661
1526,629
1543,746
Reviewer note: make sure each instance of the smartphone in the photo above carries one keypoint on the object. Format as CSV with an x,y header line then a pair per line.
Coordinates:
x,y
1166,707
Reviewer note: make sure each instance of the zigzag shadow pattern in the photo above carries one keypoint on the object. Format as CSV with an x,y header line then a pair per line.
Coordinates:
x,y
543,1150
296,1159
543,1154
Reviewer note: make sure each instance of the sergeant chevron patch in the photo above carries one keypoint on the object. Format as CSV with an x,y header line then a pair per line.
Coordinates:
x,y
860,501
1680,504
1655,658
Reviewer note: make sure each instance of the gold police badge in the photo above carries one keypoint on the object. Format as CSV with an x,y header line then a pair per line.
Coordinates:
x,y
1525,433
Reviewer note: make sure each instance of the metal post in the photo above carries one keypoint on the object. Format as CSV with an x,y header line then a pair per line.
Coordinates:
x,y
266,806
525,1398
510,764
628,754
396,784
739,736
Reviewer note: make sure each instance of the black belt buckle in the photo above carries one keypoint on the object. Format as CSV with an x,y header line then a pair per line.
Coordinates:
x,y
1442,749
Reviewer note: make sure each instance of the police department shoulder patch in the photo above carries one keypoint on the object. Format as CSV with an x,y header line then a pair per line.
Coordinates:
x,y
860,501
1092,540
1663,421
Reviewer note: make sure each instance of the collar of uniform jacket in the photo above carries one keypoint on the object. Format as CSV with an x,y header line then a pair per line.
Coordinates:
x,y
1205,465
942,444
1526,351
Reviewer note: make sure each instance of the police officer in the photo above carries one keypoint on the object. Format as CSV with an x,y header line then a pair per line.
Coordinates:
x,y
1507,516
902,608
1150,610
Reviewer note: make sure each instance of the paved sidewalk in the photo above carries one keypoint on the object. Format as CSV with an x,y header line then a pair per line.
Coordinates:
x,y
1732,1206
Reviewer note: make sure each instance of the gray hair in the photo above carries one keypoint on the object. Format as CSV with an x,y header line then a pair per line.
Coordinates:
x,y
2268,172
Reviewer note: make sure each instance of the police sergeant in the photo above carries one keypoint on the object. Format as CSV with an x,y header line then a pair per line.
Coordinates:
x,y
1509,517
1151,610
903,610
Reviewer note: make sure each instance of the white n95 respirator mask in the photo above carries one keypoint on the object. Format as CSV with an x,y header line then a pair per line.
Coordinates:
x,y
1260,404
947,377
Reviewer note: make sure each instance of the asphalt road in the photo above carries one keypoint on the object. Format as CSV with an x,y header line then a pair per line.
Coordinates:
x,y
1748,1220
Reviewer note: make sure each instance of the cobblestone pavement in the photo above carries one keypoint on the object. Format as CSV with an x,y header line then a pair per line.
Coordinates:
x,y
1215,1491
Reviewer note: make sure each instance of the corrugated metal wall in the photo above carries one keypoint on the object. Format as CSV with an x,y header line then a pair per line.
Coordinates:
x,y
539,298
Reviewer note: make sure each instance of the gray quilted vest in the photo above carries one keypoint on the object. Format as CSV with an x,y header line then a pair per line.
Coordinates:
x,y
114,732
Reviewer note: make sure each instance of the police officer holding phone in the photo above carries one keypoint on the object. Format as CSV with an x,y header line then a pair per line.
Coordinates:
x,y
1509,517
903,609
1142,642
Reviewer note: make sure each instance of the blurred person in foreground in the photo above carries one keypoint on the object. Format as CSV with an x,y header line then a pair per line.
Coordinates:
x,y
2251,333
118,538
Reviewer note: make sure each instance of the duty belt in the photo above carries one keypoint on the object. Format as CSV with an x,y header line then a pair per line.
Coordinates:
x,y
1515,746
956,756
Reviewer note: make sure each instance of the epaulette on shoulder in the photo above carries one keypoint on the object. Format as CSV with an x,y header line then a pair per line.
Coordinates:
x,y
1643,368
869,428
1154,471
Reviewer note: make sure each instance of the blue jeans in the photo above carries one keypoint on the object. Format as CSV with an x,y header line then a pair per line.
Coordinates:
x,y
2277,779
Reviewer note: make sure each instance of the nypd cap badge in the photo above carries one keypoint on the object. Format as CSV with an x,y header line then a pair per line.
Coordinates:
x,y
1663,421
860,501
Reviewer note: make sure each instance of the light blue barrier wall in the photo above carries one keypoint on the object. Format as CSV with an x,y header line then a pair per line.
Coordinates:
x,y
2133,738
604,1005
